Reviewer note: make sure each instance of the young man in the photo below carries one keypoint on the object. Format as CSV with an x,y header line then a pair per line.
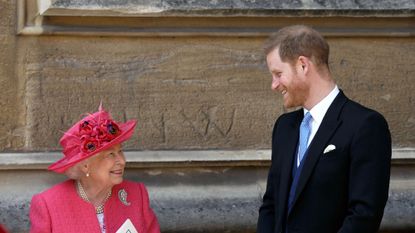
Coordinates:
x,y
331,159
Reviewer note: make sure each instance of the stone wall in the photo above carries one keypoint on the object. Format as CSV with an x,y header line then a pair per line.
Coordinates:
x,y
193,74
193,191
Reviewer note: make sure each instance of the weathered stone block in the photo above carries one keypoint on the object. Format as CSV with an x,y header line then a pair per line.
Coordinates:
x,y
191,93
11,127
379,73
197,93
189,195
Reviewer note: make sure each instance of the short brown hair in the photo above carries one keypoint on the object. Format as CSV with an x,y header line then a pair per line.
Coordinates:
x,y
299,40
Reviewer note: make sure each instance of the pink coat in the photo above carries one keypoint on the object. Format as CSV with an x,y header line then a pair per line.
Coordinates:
x,y
2,229
60,209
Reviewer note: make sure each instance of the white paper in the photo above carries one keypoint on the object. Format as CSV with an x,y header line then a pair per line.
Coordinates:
x,y
127,227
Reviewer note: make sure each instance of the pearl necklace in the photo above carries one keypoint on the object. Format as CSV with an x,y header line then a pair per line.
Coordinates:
x,y
98,209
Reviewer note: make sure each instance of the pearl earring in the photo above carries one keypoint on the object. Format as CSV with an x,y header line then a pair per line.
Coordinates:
x,y
87,174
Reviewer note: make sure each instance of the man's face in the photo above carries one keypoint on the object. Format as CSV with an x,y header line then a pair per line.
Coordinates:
x,y
285,79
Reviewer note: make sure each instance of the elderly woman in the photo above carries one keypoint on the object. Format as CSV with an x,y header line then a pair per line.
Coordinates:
x,y
95,198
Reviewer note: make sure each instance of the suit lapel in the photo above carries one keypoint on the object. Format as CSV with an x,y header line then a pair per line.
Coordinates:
x,y
327,128
288,140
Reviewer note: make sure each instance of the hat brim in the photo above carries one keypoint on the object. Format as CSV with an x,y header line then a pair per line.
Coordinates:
x,y
127,130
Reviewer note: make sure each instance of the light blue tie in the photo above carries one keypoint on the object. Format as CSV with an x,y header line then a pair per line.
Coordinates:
x,y
305,130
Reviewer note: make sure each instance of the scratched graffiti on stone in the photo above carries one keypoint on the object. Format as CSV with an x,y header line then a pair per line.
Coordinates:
x,y
207,121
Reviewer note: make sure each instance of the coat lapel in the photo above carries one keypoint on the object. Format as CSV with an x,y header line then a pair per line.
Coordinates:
x,y
86,215
117,212
327,128
288,141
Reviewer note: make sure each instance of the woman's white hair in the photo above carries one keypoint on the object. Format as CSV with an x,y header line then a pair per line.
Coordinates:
x,y
75,172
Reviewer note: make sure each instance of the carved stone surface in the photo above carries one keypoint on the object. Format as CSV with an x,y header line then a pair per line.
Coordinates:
x,y
381,65
197,93
233,5
193,93
11,128
198,199
186,92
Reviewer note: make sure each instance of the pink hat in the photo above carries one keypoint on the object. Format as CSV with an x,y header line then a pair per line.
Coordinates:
x,y
89,136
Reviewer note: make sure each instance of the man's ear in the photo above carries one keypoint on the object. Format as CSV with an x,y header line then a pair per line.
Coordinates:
x,y
303,64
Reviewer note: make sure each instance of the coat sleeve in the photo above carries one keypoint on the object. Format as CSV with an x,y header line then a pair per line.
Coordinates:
x,y
266,218
3,229
370,155
39,215
150,219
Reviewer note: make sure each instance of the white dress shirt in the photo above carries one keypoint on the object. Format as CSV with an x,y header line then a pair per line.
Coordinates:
x,y
317,114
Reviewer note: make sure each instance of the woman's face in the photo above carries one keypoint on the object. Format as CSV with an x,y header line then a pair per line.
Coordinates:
x,y
107,167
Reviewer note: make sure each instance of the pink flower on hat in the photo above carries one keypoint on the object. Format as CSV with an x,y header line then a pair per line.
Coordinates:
x,y
111,128
94,135
85,128
89,144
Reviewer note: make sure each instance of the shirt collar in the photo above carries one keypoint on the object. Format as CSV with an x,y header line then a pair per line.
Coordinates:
x,y
320,109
